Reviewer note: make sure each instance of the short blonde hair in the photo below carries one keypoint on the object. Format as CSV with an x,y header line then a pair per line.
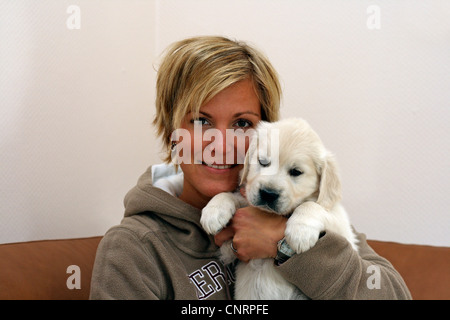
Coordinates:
x,y
194,70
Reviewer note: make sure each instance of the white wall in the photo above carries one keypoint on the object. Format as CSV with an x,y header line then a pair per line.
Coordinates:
x,y
76,105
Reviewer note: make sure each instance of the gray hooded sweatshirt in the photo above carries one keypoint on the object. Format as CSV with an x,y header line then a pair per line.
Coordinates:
x,y
160,251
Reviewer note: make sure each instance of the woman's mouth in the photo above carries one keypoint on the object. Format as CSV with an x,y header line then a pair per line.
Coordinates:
x,y
219,166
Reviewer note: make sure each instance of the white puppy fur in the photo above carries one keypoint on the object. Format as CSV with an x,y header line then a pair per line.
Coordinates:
x,y
297,179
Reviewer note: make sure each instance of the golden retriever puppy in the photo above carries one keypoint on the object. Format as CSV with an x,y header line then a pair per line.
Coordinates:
x,y
289,172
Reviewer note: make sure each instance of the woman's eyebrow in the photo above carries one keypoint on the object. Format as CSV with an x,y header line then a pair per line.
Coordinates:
x,y
235,115
205,114
247,112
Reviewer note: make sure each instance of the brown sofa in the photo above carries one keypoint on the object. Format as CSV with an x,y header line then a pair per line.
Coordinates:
x,y
39,269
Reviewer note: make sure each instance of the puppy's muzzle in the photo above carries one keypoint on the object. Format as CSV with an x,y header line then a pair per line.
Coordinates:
x,y
268,197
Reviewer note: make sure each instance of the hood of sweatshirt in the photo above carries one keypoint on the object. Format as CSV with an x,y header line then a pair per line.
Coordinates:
x,y
156,196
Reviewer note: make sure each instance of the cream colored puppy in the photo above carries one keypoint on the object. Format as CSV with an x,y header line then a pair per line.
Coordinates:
x,y
289,172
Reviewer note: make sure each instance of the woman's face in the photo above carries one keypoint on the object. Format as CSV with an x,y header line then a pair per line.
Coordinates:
x,y
215,159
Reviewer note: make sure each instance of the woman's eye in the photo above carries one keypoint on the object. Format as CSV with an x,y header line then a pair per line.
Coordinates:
x,y
242,123
203,121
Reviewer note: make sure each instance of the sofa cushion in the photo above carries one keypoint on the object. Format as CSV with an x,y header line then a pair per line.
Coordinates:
x,y
425,269
38,269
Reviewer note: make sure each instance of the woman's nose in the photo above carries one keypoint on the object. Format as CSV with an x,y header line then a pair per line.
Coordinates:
x,y
221,147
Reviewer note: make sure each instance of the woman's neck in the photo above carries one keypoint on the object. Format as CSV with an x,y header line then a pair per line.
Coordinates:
x,y
194,198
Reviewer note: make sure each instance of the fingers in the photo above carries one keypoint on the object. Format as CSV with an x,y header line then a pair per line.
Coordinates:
x,y
254,233
241,249
239,244
224,235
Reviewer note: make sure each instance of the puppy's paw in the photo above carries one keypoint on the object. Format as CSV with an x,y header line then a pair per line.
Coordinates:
x,y
227,255
301,234
214,218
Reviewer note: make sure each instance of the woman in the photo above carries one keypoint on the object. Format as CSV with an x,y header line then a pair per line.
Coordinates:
x,y
160,251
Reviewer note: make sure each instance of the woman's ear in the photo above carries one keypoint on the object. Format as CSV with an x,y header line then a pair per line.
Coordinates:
x,y
330,184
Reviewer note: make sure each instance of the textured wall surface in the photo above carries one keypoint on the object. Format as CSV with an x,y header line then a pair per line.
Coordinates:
x,y
77,99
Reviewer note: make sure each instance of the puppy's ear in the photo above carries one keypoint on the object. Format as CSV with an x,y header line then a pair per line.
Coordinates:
x,y
250,151
330,184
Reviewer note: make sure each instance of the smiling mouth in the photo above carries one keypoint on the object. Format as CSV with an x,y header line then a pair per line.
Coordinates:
x,y
220,167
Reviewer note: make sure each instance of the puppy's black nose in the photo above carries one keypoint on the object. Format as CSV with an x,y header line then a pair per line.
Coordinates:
x,y
268,195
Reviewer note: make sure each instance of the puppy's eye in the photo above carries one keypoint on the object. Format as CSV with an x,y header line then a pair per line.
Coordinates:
x,y
295,172
264,162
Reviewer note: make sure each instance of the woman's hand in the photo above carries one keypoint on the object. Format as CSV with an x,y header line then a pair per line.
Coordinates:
x,y
255,233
